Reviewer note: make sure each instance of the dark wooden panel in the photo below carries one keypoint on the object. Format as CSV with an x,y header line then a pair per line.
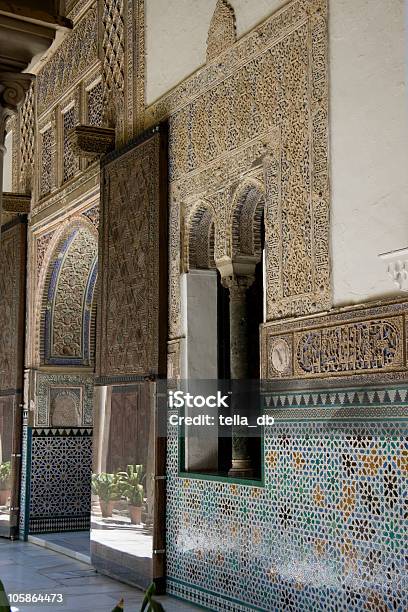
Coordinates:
x,y
12,305
13,243
133,255
129,427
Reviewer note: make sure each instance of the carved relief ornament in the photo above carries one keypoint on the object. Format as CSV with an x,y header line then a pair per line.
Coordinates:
x,y
261,111
365,341
221,34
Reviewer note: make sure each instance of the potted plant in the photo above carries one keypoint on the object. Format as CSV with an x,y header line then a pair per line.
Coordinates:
x,y
107,488
5,477
132,489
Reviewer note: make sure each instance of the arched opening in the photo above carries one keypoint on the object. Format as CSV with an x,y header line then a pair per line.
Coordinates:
x,y
206,306
206,347
246,285
223,309
62,390
201,239
247,247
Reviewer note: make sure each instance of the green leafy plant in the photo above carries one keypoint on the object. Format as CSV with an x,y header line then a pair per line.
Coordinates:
x,y
5,473
106,486
4,603
148,604
130,484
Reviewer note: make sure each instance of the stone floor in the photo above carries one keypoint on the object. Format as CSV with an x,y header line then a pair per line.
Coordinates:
x,y
27,568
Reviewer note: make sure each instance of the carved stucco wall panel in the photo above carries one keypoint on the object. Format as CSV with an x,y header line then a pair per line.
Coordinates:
x,y
77,8
122,57
51,388
245,222
96,67
69,119
65,405
67,312
113,60
65,265
76,55
259,111
27,141
222,33
48,152
42,243
198,242
369,342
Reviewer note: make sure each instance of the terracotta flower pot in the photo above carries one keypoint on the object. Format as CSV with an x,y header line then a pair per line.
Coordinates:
x,y
4,495
135,514
106,507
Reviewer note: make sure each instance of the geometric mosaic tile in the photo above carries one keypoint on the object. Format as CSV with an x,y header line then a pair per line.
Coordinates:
x,y
59,472
373,402
328,531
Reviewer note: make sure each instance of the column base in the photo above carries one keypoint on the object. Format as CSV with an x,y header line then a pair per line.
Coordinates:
x,y
241,468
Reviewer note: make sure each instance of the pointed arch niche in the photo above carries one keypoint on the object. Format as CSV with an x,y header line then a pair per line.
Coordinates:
x,y
67,305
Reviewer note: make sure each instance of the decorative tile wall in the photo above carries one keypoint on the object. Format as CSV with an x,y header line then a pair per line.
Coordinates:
x,y
23,484
58,470
328,532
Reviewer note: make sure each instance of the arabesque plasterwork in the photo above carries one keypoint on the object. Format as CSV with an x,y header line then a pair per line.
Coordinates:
x,y
259,111
47,381
27,144
45,248
222,32
76,55
368,342
66,309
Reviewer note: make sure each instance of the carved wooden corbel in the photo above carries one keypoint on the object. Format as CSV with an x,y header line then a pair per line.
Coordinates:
x,y
91,141
19,203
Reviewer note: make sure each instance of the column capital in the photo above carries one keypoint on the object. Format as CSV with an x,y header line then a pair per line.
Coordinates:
x,y
237,274
238,285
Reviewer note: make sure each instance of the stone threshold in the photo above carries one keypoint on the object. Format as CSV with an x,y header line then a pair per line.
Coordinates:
x,y
60,549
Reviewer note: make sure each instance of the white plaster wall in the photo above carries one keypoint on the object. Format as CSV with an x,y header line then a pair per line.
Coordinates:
x,y
7,163
176,37
369,144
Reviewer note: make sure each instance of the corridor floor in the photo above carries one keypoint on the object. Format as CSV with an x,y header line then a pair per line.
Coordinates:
x,y
27,568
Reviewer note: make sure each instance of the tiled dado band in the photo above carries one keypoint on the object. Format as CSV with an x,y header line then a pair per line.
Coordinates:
x,y
57,466
377,403
360,345
327,531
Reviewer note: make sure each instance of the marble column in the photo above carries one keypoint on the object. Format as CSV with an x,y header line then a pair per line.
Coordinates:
x,y
241,461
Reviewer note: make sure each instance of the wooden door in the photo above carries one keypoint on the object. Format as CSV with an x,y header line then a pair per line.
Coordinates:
x,y
132,326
